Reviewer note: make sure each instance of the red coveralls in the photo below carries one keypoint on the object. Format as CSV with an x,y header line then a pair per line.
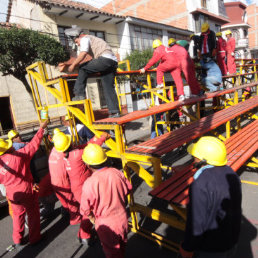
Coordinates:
x,y
169,63
16,176
61,185
104,194
221,55
231,44
187,65
78,172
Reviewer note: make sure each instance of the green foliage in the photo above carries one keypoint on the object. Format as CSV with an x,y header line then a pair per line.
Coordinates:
x,y
20,48
138,59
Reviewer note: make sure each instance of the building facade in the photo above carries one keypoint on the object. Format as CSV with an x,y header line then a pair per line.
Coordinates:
x,y
252,19
239,27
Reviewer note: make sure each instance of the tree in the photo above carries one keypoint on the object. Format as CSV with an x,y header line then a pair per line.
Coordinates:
x,y
20,48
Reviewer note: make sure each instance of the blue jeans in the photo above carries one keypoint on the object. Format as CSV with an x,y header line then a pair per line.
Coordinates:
x,y
107,68
211,83
160,127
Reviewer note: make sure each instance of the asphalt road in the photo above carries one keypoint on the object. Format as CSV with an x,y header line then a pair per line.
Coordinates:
x,y
59,238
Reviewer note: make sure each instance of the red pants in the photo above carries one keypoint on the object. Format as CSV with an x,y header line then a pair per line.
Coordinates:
x,y
175,71
28,204
231,64
189,72
221,63
68,201
112,232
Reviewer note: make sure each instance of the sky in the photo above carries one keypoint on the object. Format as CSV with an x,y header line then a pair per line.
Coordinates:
x,y
247,2
3,10
95,3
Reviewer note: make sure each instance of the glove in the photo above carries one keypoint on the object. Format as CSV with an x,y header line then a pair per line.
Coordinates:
x,y
232,54
142,70
184,253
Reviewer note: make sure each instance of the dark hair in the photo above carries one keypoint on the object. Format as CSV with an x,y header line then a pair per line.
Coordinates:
x,y
200,163
102,165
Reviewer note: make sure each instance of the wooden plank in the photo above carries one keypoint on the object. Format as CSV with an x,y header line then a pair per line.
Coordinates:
x,y
171,140
240,148
169,106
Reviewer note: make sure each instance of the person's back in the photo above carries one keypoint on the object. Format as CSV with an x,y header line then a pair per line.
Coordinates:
x,y
212,70
107,189
222,214
164,55
179,51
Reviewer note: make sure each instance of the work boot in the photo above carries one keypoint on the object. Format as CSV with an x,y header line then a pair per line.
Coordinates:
x,y
88,242
114,115
181,98
78,97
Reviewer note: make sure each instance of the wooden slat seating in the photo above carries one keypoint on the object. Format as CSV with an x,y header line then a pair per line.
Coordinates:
x,y
240,147
171,140
169,106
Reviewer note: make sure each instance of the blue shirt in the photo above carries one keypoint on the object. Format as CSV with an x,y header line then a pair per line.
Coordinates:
x,y
211,69
18,145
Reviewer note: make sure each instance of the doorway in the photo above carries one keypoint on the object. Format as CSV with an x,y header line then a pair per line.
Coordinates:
x,y
6,122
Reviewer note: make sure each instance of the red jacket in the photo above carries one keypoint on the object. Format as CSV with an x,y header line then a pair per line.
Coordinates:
x,y
231,45
77,170
104,194
163,54
15,172
221,46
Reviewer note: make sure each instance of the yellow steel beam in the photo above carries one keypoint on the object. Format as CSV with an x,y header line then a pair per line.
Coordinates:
x,y
159,216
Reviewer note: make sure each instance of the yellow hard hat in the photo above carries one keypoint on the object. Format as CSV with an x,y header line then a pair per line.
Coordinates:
x,y
211,149
93,154
171,41
205,27
61,141
66,118
5,145
156,43
56,130
12,134
191,36
218,34
228,32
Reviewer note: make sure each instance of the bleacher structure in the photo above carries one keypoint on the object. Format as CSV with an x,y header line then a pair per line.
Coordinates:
x,y
238,101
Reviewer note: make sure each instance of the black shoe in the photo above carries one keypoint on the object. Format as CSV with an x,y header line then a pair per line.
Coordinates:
x,y
114,115
78,97
87,241
201,93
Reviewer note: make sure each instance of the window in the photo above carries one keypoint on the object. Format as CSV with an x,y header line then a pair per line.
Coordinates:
x,y
245,33
199,19
235,34
99,34
63,38
204,4
177,36
142,37
217,28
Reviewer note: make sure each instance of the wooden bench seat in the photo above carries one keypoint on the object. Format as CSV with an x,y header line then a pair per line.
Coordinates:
x,y
240,147
171,140
169,106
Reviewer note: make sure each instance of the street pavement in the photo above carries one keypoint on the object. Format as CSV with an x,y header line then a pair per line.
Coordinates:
x,y
59,238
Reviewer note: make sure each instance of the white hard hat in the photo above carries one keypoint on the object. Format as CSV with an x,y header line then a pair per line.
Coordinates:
x,y
73,32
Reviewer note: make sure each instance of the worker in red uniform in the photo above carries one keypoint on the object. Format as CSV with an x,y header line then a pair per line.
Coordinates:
x,y
103,201
62,187
231,45
221,53
77,172
15,175
187,66
168,63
